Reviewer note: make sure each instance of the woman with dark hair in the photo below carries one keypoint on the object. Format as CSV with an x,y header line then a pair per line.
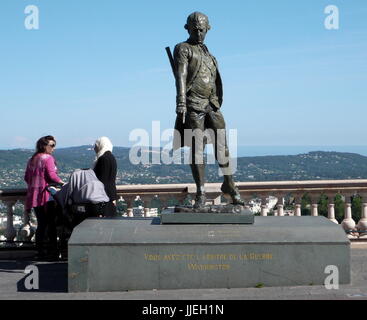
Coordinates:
x,y
105,168
41,171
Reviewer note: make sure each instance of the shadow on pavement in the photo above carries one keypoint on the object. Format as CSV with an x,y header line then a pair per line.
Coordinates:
x,y
14,266
52,276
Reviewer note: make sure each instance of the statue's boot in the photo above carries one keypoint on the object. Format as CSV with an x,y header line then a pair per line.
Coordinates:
x,y
228,187
200,200
198,173
230,191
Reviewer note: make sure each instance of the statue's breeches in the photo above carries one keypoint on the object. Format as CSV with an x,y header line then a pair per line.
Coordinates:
x,y
208,127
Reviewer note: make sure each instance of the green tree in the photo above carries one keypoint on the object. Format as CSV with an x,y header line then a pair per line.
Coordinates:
x,y
305,205
323,205
339,208
356,208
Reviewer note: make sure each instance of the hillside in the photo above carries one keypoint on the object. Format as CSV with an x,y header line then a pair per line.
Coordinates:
x,y
311,166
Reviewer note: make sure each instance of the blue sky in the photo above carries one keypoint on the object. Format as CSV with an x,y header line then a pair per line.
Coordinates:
x,y
99,68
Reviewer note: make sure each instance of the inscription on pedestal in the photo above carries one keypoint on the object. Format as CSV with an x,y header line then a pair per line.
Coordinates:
x,y
209,261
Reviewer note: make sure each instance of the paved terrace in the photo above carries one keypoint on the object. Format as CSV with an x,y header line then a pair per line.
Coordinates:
x,y
53,285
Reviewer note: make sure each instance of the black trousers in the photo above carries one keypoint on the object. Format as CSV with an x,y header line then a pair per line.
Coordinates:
x,y
46,235
109,210
93,210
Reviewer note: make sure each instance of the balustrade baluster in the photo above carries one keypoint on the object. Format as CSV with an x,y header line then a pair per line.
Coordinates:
x,y
147,200
218,199
146,212
10,232
331,208
26,232
348,223
264,207
129,202
362,223
314,205
275,212
314,210
130,212
297,205
280,206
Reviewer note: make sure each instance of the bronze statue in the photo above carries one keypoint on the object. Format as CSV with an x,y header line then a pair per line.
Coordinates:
x,y
198,102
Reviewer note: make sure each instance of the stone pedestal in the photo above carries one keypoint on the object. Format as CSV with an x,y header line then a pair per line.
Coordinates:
x,y
214,215
142,254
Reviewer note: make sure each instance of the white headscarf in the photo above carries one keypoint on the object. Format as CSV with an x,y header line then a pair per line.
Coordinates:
x,y
102,145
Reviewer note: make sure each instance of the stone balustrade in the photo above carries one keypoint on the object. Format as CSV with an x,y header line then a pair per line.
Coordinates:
x,y
180,193
10,198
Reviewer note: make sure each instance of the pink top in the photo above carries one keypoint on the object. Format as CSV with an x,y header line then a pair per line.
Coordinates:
x,y
39,173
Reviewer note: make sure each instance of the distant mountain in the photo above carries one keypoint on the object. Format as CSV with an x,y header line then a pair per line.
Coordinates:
x,y
311,166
